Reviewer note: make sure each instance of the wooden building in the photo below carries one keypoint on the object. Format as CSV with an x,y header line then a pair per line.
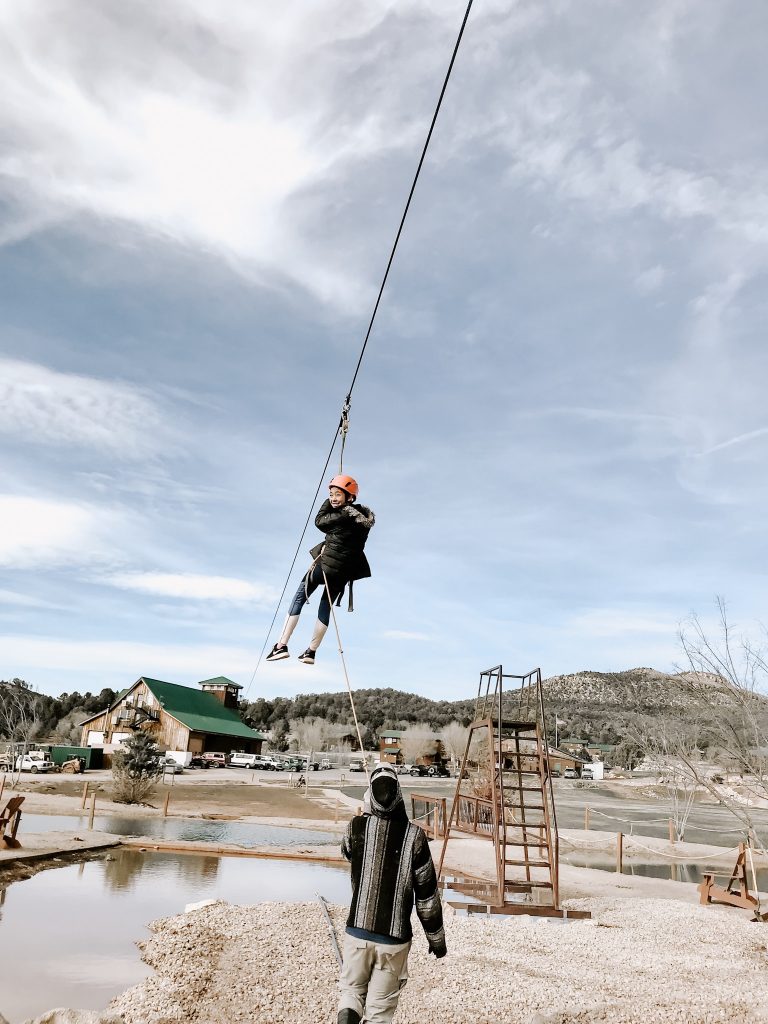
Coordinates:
x,y
391,748
176,717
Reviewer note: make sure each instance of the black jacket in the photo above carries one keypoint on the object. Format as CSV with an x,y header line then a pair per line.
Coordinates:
x,y
346,531
391,869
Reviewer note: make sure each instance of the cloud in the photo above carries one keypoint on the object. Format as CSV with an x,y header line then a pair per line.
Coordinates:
x,y
37,532
192,587
174,119
650,280
616,622
43,406
123,661
12,597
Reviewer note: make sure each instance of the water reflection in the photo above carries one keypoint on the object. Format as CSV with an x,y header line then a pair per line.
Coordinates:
x,y
123,874
204,830
67,937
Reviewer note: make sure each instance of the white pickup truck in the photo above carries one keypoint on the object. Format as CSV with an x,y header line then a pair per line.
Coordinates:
x,y
34,761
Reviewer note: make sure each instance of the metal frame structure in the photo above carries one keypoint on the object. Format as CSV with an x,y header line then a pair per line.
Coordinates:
x,y
504,794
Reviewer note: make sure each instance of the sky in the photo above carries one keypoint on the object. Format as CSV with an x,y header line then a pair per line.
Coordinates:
x,y
560,421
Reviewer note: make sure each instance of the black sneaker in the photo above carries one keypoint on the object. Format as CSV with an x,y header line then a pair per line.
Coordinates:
x,y
278,652
308,657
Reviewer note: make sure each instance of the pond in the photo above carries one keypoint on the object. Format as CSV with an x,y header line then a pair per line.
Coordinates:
x,y
67,936
191,829
676,871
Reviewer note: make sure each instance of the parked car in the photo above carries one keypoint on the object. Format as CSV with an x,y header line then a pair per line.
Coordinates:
x,y
404,769
243,760
216,759
433,771
570,773
198,761
172,766
356,764
273,764
35,761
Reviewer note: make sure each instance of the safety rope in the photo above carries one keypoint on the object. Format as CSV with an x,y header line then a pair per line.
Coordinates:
x,y
344,420
346,675
628,821
758,908
688,860
653,821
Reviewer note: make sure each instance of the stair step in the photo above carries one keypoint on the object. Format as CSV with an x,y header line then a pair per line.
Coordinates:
x,y
524,807
523,884
527,863
521,842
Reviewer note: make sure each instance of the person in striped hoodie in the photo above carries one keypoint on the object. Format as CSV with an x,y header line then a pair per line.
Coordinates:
x,y
391,868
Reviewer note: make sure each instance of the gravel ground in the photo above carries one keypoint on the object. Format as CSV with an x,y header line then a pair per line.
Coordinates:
x,y
636,962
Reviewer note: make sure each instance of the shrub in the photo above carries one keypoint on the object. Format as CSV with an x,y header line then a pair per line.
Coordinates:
x,y
135,769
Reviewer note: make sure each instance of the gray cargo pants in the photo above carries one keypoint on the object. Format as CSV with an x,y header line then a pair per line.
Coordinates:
x,y
372,977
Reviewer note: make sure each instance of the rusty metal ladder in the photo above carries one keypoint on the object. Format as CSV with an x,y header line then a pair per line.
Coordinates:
x,y
519,807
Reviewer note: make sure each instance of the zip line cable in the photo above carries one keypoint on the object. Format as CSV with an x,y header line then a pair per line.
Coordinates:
x,y
343,426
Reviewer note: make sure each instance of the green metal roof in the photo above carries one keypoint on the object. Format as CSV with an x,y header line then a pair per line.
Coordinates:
x,y
201,712
220,681
394,733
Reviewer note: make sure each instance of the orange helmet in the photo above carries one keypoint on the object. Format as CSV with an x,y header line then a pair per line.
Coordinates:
x,y
345,483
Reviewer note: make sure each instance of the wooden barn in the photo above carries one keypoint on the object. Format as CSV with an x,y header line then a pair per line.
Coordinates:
x,y
177,717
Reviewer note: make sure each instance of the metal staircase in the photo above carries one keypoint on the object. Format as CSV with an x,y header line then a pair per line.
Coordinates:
x,y
504,794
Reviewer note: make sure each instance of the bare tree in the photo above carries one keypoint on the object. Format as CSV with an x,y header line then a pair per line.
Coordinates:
x,y
729,674
670,745
19,719
309,733
416,741
454,740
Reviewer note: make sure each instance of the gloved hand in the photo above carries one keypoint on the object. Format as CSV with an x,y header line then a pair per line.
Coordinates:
x,y
438,952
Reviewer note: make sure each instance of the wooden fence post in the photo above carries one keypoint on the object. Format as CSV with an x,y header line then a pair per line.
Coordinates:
x,y
85,796
93,812
619,852
165,806
672,834
586,818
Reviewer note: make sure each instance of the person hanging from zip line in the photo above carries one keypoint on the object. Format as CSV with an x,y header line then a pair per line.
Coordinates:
x,y
339,558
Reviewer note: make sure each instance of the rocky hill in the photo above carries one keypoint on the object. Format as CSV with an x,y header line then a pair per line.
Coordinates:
x,y
643,690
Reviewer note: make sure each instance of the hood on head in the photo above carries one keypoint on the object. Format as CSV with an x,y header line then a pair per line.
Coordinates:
x,y
384,793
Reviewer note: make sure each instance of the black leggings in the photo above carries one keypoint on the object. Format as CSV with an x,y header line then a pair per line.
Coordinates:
x,y
309,584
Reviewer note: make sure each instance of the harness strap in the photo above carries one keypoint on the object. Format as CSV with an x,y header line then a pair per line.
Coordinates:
x,y
337,602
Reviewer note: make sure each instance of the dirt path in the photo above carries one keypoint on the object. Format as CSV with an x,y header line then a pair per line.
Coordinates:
x,y
215,793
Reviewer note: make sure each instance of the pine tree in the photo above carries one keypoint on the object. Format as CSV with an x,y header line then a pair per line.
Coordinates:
x,y
135,768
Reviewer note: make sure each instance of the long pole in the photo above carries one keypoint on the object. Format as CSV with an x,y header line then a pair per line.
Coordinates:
x,y
331,929
85,796
93,812
619,852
